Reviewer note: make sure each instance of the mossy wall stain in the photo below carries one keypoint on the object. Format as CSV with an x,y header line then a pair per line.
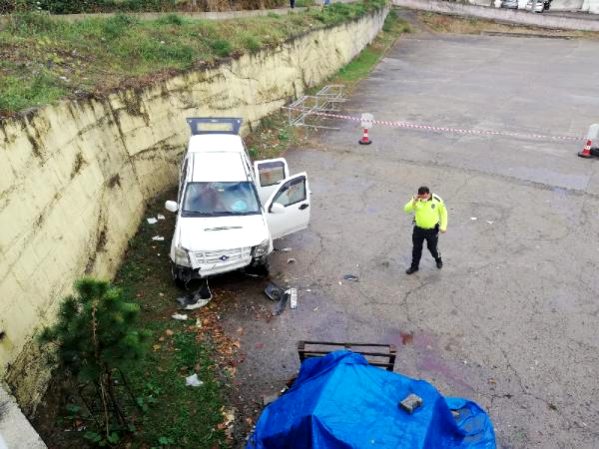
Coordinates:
x,y
76,176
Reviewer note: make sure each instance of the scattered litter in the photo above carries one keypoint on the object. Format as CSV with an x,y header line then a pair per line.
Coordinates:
x,y
179,316
490,221
169,332
292,292
308,290
281,305
198,323
411,403
160,217
315,309
273,291
351,278
473,218
340,283
229,416
152,220
284,250
291,260
158,238
193,381
196,300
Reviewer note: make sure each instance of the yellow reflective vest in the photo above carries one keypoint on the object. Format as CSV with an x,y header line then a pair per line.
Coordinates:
x,y
428,213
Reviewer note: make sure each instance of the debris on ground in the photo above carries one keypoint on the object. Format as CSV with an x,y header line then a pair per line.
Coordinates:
x,y
193,381
228,420
195,300
473,218
179,316
273,291
158,238
351,278
292,292
490,221
283,250
151,220
291,260
160,217
281,305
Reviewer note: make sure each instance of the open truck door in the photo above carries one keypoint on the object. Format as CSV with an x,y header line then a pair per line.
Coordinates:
x,y
288,208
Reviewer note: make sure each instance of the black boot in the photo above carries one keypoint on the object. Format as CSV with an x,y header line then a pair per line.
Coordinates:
x,y
439,263
411,270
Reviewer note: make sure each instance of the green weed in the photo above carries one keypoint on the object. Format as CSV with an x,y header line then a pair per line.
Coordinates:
x,y
221,47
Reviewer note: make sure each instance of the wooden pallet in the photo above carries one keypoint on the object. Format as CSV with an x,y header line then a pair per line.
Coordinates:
x,y
377,354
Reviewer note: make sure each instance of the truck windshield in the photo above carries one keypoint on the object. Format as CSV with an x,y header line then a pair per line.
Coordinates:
x,y
214,199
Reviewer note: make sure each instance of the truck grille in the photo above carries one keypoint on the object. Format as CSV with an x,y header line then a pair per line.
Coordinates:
x,y
221,257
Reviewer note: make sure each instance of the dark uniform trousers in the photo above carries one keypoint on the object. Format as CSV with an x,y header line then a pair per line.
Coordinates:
x,y
418,237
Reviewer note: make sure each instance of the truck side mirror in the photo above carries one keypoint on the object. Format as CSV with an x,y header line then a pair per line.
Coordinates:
x,y
277,208
171,206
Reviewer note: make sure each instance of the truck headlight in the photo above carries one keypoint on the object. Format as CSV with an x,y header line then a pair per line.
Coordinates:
x,y
182,256
261,249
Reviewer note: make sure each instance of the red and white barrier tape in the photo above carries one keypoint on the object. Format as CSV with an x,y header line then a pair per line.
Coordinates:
x,y
473,132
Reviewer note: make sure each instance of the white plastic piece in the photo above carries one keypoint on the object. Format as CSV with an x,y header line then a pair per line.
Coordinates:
x,y
292,297
193,381
152,220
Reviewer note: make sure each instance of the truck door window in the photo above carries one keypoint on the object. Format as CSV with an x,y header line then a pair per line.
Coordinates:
x,y
271,173
293,192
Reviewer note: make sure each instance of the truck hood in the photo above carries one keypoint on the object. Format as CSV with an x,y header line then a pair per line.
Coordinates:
x,y
219,233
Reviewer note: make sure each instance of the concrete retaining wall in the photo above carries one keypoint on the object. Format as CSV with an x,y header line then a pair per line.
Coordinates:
x,y
503,15
76,176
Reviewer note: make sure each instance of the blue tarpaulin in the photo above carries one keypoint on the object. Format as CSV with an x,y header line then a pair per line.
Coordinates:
x,y
341,402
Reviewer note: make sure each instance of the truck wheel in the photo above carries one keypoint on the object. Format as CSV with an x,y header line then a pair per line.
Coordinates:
x,y
180,283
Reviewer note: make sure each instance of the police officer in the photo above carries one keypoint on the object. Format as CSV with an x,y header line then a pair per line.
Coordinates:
x,y
430,217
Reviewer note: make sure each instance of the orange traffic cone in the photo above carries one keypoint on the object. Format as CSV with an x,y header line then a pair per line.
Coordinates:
x,y
586,151
365,140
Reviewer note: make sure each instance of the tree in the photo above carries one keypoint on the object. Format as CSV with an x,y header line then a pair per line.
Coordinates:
x,y
96,341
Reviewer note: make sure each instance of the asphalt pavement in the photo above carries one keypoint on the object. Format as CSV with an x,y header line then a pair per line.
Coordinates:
x,y
512,319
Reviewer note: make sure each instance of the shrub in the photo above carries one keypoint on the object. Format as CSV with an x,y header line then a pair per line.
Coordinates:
x,y
221,47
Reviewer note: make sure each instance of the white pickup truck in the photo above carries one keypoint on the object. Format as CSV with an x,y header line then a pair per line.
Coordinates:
x,y
229,210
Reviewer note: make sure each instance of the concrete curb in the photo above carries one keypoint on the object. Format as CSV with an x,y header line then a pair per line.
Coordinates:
x,y
15,430
502,15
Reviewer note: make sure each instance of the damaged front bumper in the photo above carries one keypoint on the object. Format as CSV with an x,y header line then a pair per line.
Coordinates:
x,y
186,274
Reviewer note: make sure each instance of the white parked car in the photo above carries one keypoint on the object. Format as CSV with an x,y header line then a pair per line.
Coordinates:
x,y
229,210
539,5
